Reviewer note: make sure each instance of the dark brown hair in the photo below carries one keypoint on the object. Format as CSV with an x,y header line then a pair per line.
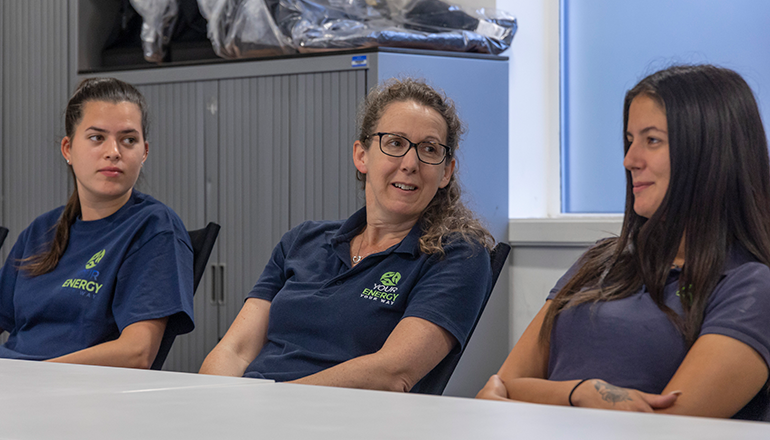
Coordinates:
x,y
91,89
718,197
446,214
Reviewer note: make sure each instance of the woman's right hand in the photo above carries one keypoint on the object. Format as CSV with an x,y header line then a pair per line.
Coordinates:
x,y
596,393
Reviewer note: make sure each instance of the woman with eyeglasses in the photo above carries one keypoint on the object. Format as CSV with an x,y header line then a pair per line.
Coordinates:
x,y
378,300
673,316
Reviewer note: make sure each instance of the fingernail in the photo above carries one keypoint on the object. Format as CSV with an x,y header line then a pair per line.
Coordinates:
x,y
677,392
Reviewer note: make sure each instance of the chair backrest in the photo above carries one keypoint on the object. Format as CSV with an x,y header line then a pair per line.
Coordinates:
x,y
202,243
435,381
3,234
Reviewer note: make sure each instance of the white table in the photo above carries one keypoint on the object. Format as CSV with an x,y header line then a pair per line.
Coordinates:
x,y
69,401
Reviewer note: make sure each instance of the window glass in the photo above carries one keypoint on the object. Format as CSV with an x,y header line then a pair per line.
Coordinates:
x,y
609,45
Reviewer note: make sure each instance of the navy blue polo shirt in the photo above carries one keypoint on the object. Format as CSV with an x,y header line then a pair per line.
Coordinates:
x,y
131,266
324,312
630,342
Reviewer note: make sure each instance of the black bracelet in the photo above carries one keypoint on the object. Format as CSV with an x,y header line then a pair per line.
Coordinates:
x,y
569,399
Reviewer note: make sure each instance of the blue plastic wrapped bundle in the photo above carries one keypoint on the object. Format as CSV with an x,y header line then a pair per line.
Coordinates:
x,y
315,25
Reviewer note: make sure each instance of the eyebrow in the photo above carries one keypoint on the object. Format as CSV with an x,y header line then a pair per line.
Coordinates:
x,y
646,130
429,138
101,130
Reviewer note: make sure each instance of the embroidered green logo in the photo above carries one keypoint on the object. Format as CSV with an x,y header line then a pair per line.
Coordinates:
x,y
385,292
390,278
95,259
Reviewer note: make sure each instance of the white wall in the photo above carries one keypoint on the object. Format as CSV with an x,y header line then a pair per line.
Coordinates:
x,y
474,4
545,242
534,173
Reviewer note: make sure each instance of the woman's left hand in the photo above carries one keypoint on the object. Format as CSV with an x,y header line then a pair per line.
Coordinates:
x,y
596,393
494,390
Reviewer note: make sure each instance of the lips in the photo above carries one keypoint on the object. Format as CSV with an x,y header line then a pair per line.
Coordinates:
x,y
641,186
111,171
404,186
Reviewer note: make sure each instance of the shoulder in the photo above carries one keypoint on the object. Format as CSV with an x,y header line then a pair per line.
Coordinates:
x,y
315,227
312,231
47,220
469,257
749,280
455,245
149,218
42,228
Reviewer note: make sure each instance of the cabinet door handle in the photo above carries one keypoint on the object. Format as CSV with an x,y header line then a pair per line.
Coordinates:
x,y
221,284
214,284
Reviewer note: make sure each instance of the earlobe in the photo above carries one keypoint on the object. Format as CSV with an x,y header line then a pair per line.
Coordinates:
x,y
66,148
360,157
449,169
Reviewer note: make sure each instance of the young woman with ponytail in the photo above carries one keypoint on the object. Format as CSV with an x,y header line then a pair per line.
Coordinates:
x,y
672,316
99,280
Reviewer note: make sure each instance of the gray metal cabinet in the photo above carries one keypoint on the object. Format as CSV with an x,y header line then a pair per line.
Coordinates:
x,y
257,146
35,88
257,155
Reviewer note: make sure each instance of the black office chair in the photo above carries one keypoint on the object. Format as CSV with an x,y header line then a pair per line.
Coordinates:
x,y
3,234
202,243
435,381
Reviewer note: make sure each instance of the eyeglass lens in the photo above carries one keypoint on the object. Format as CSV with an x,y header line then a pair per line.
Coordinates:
x,y
429,152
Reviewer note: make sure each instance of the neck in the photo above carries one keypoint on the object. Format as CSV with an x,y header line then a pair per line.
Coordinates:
x,y
91,210
378,232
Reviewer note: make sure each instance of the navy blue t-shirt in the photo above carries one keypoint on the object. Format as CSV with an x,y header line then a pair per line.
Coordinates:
x,y
132,266
324,312
631,343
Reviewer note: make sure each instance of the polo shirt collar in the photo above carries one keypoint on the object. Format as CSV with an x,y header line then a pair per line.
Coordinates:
x,y
356,222
736,256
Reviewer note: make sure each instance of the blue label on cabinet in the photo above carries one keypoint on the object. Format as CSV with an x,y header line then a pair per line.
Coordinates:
x,y
358,61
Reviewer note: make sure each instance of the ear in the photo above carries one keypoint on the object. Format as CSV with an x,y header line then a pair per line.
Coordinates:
x,y
360,157
66,148
448,170
146,151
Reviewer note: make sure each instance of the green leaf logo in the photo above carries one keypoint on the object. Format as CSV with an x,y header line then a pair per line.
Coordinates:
x,y
390,278
95,259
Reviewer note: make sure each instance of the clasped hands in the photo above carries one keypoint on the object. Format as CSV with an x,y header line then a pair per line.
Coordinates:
x,y
594,393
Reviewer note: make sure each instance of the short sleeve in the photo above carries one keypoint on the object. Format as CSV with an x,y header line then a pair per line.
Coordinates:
x,y
565,278
273,278
452,289
740,307
155,281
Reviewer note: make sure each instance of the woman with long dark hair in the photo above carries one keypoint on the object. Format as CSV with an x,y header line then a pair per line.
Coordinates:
x,y
672,316
99,280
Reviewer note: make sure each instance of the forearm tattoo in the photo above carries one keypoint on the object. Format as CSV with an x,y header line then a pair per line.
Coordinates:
x,y
611,393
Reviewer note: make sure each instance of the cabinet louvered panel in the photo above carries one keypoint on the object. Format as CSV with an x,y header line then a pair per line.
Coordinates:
x,y
323,130
174,174
254,177
34,93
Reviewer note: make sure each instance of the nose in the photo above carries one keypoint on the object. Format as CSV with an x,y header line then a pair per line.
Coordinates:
x,y
633,159
112,149
410,162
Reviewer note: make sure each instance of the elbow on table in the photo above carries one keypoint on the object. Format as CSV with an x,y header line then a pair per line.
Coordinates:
x,y
399,381
141,358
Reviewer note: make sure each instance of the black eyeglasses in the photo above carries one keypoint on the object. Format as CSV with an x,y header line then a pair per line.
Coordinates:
x,y
429,152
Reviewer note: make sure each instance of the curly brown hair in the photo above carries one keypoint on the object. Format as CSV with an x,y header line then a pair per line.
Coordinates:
x,y
446,217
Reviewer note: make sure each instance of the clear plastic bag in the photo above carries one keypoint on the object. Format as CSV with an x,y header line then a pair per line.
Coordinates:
x,y
158,17
243,28
315,25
